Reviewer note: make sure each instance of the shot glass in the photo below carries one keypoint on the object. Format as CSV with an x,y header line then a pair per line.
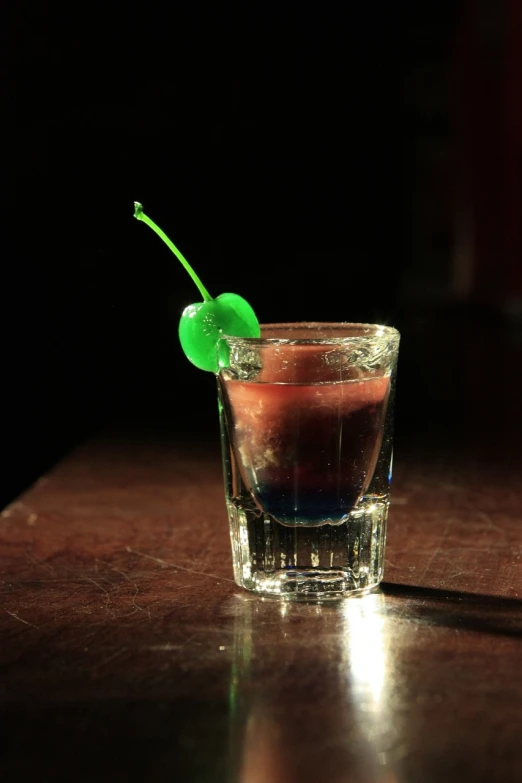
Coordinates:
x,y
306,417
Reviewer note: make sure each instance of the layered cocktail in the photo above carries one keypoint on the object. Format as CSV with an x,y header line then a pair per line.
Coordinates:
x,y
306,420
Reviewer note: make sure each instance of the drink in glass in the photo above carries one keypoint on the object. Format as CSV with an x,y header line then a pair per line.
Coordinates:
x,y
306,414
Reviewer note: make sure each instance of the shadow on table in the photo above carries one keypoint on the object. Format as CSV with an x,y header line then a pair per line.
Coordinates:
x,y
489,614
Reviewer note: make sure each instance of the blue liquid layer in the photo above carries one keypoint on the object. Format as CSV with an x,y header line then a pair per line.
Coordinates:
x,y
315,507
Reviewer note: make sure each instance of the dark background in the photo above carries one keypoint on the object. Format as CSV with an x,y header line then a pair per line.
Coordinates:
x,y
362,164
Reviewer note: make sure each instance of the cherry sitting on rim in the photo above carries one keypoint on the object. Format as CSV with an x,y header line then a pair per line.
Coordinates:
x,y
202,323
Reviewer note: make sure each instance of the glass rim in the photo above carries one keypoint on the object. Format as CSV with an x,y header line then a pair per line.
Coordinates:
x,y
362,331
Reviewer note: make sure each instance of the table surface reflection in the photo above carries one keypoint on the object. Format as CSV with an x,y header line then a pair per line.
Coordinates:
x,y
127,652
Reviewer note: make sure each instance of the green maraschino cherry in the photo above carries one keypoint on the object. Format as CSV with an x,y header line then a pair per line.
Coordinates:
x,y
201,324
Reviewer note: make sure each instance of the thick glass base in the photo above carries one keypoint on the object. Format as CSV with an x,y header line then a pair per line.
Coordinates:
x,y
319,562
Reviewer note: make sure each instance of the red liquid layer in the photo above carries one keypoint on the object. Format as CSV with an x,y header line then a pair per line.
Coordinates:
x,y
307,452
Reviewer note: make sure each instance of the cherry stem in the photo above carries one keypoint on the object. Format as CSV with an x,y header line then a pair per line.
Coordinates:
x,y
140,215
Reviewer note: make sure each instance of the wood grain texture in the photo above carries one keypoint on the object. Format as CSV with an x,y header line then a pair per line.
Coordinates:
x,y
128,653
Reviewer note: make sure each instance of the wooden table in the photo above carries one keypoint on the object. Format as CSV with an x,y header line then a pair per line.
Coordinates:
x,y
128,654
